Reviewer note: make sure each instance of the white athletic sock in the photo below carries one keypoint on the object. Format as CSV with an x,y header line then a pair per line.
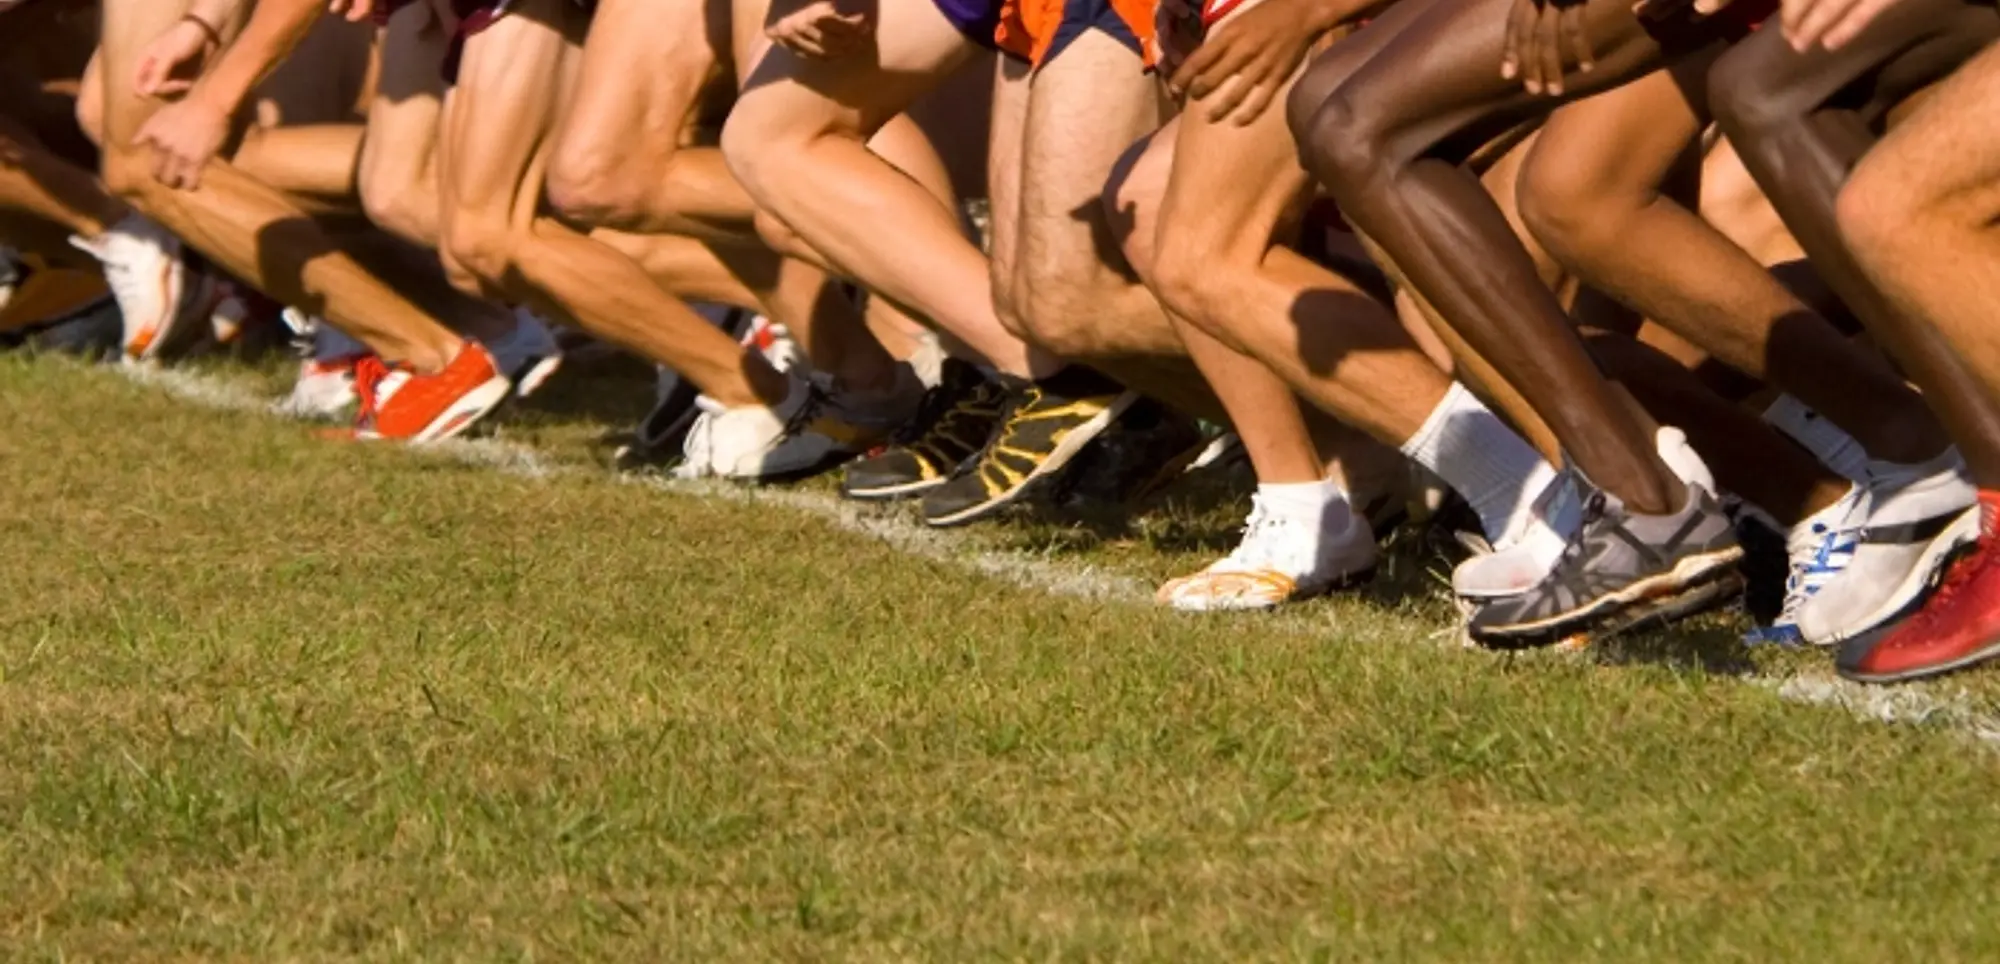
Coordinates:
x,y
1482,459
1835,449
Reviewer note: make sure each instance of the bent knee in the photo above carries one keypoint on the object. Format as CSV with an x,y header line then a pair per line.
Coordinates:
x,y
588,188
1746,98
1561,211
128,173
478,256
1872,211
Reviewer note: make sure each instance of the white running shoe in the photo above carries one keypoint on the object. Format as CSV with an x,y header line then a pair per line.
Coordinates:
x,y
1819,550
325,387
142,266
1904,522
755,443
1279,561
527,355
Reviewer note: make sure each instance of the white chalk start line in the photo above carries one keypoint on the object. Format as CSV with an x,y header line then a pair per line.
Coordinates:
x,y
1944,706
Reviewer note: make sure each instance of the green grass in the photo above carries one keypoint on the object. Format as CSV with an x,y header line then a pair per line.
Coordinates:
x,y
264,697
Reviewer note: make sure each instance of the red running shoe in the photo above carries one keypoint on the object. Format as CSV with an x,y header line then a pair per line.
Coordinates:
x,y
1959,624
397,403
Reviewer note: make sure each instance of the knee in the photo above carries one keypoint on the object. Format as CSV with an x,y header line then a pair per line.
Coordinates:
x,y
780,237
589,187
1748,100
1559,209
477,255
1871,211
758,148
1344,142
128,173
399,208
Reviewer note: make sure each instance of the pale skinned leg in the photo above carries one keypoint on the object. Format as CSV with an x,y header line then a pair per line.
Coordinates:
x,y
797,141
248,227
1261,408
497,125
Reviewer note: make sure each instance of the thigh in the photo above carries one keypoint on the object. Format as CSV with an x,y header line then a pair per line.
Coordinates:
x,y
915,47
500,115
1910,46
1085,107
1623,143
1003,164
1436,85
644,66
403,119
1231,185
128,26
1946,157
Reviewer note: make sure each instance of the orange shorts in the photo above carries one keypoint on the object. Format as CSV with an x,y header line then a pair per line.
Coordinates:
x,y
1037,30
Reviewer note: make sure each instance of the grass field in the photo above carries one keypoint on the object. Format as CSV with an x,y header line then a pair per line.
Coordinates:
x,y
265,697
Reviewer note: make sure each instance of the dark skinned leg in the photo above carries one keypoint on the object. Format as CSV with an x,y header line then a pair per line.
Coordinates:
x,y
1593,194
1802,121
1388,143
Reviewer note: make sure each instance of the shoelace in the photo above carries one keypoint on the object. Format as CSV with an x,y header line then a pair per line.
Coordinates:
x,y
1593,510
1262,532
1809,574
369,373
929,444
810,411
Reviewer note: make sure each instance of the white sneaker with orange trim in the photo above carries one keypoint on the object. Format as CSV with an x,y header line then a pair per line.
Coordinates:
x,y
1280,560
143,267
398,403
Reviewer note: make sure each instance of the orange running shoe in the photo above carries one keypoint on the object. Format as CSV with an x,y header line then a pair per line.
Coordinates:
x,y
398,403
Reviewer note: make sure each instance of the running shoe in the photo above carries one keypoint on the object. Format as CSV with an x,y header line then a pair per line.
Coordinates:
x,y
1145,449
1617,562
1038,434
527,354
1903,523
1279,561
325,386
399,403
93,331
143,266
754,443
1817,550
660,439
1957,626
952,425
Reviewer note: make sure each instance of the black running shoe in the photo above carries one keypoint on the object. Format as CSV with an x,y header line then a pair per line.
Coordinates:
x,y
1145,449
1038,434
953,424
1617,563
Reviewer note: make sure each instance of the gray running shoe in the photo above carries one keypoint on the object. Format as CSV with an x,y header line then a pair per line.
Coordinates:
x,y
1618,562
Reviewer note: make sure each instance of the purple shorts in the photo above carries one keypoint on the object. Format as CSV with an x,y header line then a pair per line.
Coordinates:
x,y
976,19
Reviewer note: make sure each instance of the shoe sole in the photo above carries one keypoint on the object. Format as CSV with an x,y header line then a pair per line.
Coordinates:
x,y
466,412
1925,672
1686,576
535,374
1346,581
891,493
1064,452
1911,591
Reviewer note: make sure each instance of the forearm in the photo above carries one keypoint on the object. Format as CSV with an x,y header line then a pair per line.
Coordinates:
x,y
274,29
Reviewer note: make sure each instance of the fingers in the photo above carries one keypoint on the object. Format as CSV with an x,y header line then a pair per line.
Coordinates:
x,y
1548,50
147,80
1856,20
1520,19
1815,20
1226,61
1579,39
1255,103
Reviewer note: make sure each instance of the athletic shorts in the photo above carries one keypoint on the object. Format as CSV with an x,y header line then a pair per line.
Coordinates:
x,y
1038,30
1681,29
473,17
976,19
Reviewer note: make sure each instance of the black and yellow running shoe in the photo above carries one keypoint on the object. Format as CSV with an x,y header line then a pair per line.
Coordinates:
x,y
1041,431
952,426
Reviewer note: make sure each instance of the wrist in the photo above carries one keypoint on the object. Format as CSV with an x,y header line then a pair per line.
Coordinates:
x,y
209,31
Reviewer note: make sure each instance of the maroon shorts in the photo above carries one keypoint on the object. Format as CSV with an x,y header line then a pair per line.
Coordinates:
x,y
1678,28
473,17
